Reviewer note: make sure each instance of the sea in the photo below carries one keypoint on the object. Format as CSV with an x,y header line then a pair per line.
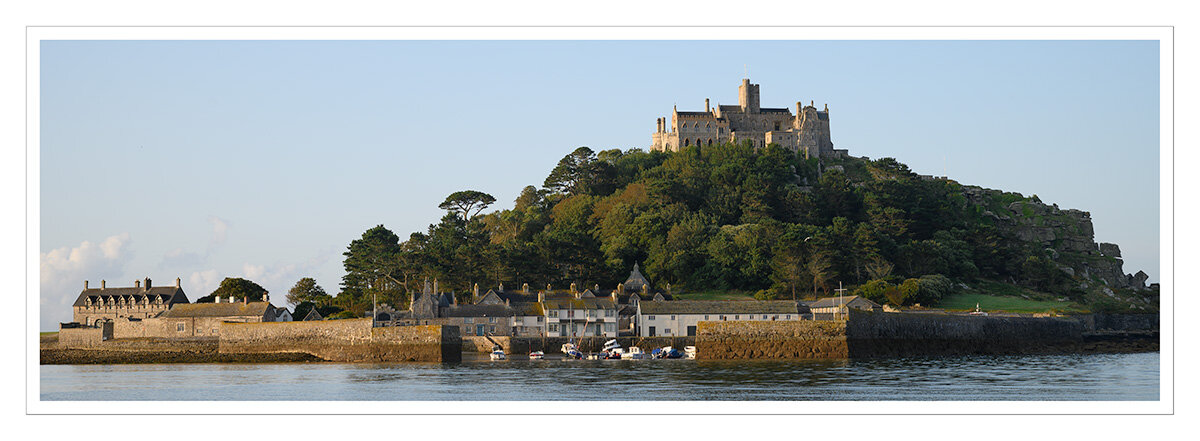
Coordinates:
x,y
1099,377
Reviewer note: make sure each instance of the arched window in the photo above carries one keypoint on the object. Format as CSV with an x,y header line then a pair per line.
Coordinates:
x,y
687,142
709,141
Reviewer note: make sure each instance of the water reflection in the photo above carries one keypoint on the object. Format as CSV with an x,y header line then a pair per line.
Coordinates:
x,y
1065,377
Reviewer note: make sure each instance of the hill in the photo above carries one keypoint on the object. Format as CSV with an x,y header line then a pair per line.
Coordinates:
x,y
766,221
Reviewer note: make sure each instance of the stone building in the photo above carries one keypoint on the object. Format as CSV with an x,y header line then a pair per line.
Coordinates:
x,y
141,301
204,319
830,307
805,131
680,317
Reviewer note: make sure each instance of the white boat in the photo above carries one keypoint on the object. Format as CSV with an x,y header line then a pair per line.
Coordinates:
x,y
634,353
572,352
689,352
498,355
537,355
978,311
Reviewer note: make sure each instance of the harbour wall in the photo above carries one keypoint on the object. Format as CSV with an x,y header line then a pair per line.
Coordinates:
x,y
877,334
1100,322
85,337
351,340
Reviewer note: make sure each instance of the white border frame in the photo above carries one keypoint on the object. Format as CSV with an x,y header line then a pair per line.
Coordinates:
x,y
1165,36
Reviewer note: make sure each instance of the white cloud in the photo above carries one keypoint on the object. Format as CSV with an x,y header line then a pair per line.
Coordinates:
x,y
278,278
202,283
63,271
220,230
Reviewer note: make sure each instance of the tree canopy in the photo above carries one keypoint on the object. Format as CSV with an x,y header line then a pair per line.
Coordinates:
x,y
467,202
237,287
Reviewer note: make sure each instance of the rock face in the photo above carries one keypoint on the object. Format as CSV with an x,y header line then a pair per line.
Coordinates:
x,y
1064,236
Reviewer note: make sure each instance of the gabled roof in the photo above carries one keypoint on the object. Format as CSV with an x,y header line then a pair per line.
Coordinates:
x,y
170,294
312,315
720,307
477,311
830,302
251,309
584,303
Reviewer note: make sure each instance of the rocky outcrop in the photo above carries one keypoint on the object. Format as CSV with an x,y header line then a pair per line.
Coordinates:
x,y
1064,236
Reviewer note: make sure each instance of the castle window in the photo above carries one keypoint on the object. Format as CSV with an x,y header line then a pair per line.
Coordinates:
x,y
687,142
180,327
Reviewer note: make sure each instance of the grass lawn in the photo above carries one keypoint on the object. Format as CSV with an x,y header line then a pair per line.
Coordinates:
x,y
48,333
967,301
715,295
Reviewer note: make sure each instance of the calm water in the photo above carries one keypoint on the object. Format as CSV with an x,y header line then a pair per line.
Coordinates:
x,y
1050,377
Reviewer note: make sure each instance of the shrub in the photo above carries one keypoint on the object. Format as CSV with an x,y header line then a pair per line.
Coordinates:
x,y
874,290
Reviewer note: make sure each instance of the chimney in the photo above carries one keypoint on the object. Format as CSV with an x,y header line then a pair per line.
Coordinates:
x,y
245,299
85,284
578,295
573,288
501,287
706,108
435,285
475,293
525,288
799,108
614,297
231,298
506,302
101,283
137,283
541,297
147,283
547,287
177,282
265,298
217,299
596,287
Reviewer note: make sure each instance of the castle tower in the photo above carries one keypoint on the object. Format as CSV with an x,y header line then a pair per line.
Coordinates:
x,y
748,96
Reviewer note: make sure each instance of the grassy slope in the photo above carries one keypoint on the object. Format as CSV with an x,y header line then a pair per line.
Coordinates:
x,y
996,296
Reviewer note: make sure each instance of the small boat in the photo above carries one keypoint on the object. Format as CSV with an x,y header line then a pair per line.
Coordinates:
x,y
666,352
537,355
634,353
689,352
612,350
498,355
571,351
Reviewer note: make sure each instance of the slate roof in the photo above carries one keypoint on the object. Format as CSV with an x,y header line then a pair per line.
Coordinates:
x,y
477,311
702,114
251,309
584,303
830,302
635,280
720,307
774,110
170,294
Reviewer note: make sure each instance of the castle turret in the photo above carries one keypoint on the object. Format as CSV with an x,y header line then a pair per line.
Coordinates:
x,y
748,96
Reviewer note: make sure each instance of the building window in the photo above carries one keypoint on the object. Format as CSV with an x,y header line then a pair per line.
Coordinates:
x,y
789,316
553,328
179,327
608,313
764,316
554,314
492,328
492,320
468,320
539,319
666,331
706,316
610,327
737,317
722,317
649,317
672,317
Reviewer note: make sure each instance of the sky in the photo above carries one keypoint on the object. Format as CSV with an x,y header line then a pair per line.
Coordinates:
x,y
263,159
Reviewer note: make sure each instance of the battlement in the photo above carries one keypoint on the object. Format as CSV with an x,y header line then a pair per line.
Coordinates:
x,y
805,131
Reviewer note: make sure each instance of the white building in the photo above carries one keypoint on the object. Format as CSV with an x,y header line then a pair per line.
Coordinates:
x,y
680,317
582,315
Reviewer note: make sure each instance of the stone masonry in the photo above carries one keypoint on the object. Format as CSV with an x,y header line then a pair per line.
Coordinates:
x,y
805,131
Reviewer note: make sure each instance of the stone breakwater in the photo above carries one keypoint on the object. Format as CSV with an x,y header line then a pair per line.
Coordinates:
x,y
353,340
866,335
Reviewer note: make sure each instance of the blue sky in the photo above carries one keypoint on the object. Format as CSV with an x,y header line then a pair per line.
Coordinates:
x,y
264,159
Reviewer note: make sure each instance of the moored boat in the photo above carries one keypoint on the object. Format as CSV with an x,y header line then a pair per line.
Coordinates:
x,y
498,354
689,352
537,355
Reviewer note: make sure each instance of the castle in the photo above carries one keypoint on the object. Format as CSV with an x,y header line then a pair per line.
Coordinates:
x,y
807,131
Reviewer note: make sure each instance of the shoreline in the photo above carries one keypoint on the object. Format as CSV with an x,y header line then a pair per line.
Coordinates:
x,y
1116,343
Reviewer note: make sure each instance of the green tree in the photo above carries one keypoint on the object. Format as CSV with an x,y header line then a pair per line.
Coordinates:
x,y
372,266
237,287
467,202
307,290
